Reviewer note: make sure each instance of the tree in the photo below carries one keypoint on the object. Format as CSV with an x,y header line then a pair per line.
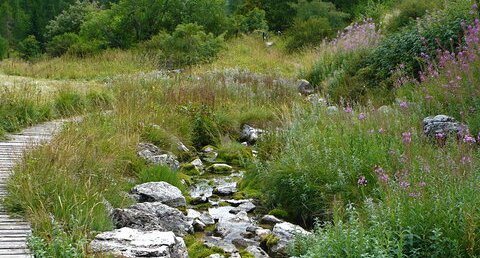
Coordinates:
x,y
29,48
71,19
3,48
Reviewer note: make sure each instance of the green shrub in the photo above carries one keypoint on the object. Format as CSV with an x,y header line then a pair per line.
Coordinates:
x,y
29,48
187,45
3,48
60,44
205,131
70,20
252,21
407,12
69,103
315,21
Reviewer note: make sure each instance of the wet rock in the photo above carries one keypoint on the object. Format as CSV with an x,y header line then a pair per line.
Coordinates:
x,y
154,155
230,228
243,243
220,169
236,203
200,192
216,256
250,134
247,207
305,88
128,242
160,192
270,220
198,225
181,147
209,154
204,217
445,125
198,164
224,187
257,252
153,216
285,233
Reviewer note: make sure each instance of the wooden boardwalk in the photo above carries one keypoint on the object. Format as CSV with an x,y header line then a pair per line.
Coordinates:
x,y
14,232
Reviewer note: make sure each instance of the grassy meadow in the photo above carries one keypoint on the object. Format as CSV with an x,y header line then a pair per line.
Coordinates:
x,y
354,167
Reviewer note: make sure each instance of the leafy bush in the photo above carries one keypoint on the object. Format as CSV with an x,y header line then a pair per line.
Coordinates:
x,y
205,131
29,48
60,44
314,21
3,48
253,21
70,20
407,12
187,45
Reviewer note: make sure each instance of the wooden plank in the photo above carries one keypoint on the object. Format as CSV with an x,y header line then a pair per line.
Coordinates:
x,y
14,231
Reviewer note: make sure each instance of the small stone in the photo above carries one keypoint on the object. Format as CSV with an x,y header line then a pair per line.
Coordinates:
x,y
270,220
250,134
257,252
305,88
445,125
247,207
220,169
181,147
198,163
160,192
286,233
153,216
128,242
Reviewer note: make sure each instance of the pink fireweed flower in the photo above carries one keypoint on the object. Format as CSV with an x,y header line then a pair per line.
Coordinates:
x,y
362,181
413,194
404,184
469,139
404,104
362,116
348,109
440,136
407,137
383,178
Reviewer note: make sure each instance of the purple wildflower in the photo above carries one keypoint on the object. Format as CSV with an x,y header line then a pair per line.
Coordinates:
x,y
404,104
407,137
428,98
348,109
440,136
362,181
404,184
469,139
362,116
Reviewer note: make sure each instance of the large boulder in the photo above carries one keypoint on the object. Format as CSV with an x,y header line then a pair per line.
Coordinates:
x,y
153,216
305,88
443,125
284,233
159,192
128,242
250,134
156,156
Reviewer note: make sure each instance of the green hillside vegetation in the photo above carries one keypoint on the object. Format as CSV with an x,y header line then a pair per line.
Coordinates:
x,y
351,163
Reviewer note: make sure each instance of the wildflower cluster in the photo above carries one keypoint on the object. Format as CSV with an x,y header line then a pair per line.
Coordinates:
x,y
357,36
